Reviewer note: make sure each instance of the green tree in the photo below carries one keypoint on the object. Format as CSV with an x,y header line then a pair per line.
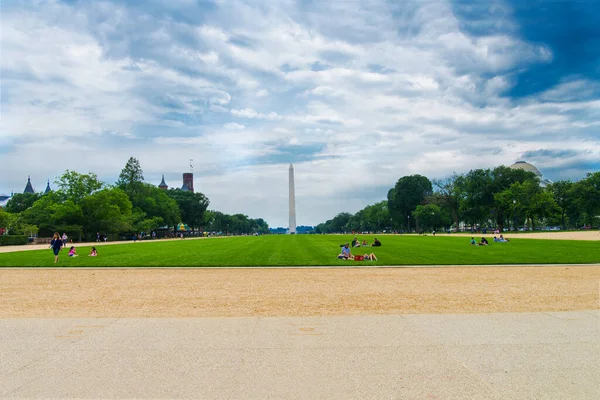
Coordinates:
x,y
131,176
562,193
586,198
531,201
449,195
339,223
407,194
50,214
107,211
75,186
502,178
431,216
4,218
191,205
21,201
153,207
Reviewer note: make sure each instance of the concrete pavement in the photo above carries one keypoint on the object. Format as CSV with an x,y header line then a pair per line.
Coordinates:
x,y
554,355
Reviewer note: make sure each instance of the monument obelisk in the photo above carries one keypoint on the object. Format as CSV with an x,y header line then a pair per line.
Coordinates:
x,y
292,228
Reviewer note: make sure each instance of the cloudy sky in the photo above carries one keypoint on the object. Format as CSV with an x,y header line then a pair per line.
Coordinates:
x,y
355,93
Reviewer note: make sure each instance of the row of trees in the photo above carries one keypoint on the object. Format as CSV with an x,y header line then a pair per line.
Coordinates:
x,y
500,197
82,205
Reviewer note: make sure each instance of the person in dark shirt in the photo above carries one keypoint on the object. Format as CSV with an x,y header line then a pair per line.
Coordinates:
x,y
56,244
376,243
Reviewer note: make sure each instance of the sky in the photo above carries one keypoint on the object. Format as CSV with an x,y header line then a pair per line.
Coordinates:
x,y
356,94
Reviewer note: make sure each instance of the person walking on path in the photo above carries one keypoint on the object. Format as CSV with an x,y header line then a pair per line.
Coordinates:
x,y
64,239
56,244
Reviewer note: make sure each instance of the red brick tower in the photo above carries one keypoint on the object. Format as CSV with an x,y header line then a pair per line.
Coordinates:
x,y
188,181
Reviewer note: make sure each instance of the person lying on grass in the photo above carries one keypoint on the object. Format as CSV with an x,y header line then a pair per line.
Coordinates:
x,y
346,254
366,257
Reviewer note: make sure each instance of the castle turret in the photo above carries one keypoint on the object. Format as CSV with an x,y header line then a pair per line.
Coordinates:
x,y
28,187
48,190
163,185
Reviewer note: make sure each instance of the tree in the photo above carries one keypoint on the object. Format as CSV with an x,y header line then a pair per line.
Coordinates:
x,y
131,176
431,216
531,201
191,205
4,218
502,178
107,211
51,214
340,222
562,193
449,195
21,201
152,208
75,186
586,197
407,194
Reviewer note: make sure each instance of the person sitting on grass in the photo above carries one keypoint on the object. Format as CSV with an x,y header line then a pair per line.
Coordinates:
x,y
355,243
370,257
72,252
473,242
502,239
364,243
376,243
483,242
345,254
93,252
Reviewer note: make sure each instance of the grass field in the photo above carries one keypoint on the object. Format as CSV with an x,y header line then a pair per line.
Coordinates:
x,y
314,250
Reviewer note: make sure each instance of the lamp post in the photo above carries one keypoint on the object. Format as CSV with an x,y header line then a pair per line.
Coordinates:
x,y
514,214
408,223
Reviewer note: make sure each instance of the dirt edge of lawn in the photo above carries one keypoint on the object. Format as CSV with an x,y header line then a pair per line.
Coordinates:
x,y
166,293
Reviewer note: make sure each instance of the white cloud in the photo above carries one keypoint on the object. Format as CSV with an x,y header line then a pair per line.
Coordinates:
x,y
250,113
234,126
382,90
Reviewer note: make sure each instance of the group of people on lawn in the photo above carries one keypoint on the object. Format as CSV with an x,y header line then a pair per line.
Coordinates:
x,y
346,253
57,243
484,241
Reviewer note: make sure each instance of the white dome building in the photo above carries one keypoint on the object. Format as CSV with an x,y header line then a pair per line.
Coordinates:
x,y
531,168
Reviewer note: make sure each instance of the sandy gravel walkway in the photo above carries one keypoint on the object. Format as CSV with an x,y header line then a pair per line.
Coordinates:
x,y
300,292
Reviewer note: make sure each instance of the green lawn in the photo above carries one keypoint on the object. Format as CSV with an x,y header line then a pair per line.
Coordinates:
x,y
315,250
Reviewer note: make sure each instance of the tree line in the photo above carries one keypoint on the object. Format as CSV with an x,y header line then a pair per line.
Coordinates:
x,y
499,198
83,206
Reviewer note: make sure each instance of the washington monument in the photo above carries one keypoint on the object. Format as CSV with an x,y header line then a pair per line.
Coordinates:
x,y
292,228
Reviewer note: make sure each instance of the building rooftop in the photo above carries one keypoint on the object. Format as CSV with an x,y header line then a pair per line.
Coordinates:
x,y
29,187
